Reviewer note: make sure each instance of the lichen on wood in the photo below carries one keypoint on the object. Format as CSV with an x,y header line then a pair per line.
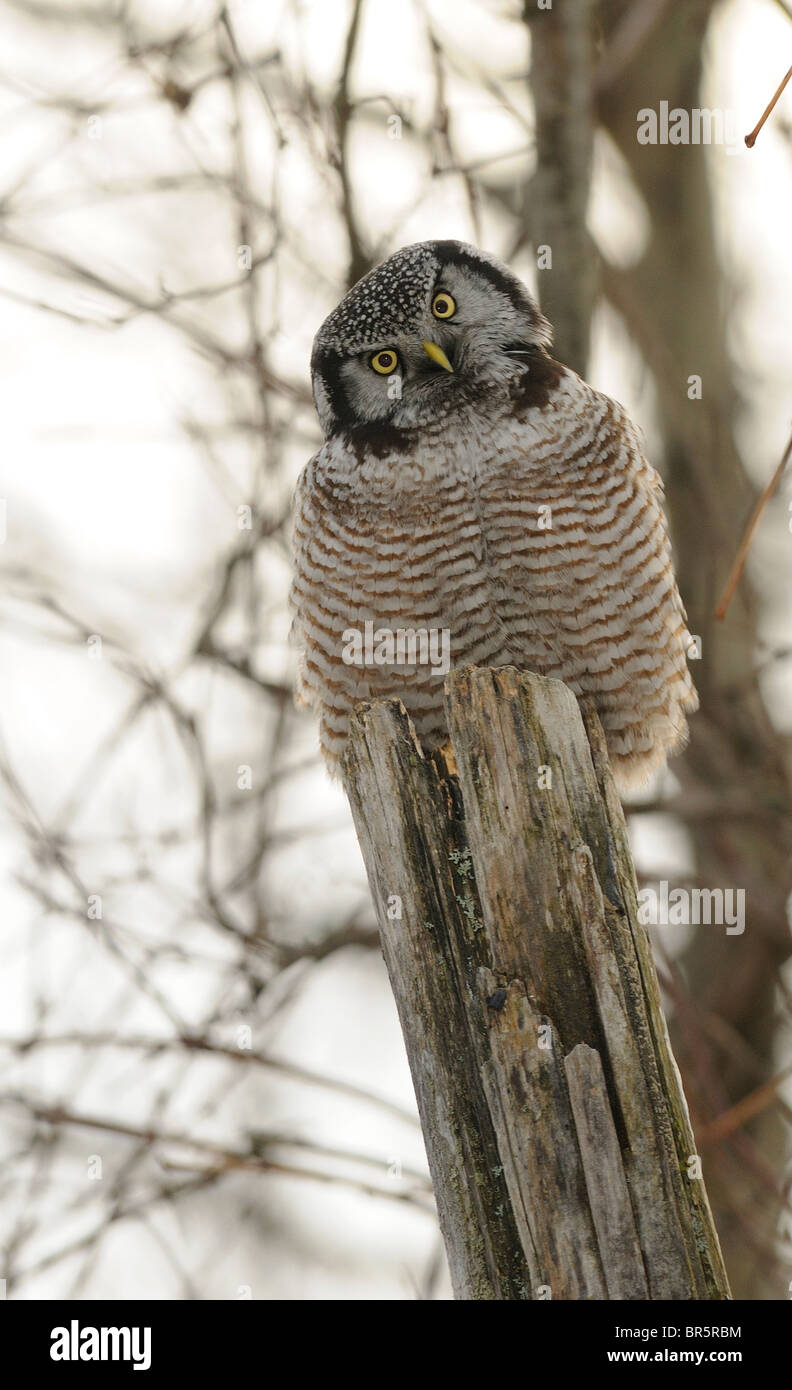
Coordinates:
x,y
556,1130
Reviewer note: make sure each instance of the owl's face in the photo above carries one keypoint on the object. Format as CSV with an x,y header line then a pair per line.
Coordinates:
x,y
437,325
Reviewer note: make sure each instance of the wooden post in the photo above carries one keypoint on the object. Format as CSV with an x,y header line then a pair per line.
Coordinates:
x,y
557,1133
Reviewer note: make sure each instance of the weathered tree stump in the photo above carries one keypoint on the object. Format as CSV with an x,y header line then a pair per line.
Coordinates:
x,y
556,1129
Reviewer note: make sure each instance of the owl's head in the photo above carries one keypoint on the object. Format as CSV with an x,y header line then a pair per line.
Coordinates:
x,y
438,324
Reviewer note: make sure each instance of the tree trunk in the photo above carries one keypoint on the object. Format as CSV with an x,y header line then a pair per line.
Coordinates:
x,y
562,49
672,304
557,1134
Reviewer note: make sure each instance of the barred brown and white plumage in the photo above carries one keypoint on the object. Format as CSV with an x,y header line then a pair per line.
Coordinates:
x,y
470,485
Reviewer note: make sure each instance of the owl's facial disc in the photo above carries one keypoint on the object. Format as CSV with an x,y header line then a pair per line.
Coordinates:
x,y
438,327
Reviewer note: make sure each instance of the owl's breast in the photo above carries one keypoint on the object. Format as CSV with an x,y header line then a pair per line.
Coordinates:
x,y
391,585
404,543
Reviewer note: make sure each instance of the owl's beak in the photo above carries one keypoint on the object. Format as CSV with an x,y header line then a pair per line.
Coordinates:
x,y
436,353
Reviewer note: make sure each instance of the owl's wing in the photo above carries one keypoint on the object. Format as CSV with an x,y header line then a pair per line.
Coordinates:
x,y
303,580
579,551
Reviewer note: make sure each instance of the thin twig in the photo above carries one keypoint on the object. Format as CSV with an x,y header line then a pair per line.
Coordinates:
x,y
742,554
750,139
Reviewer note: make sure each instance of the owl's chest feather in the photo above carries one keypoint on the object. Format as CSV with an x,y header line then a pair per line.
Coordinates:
x,y
442,515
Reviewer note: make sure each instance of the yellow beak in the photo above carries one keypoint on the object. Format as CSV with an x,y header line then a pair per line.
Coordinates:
x,y
436,353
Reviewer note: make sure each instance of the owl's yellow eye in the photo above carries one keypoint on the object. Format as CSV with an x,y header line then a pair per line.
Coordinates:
x,y
385,362
443,305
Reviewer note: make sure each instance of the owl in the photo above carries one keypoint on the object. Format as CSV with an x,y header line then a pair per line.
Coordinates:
x,y
476,503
